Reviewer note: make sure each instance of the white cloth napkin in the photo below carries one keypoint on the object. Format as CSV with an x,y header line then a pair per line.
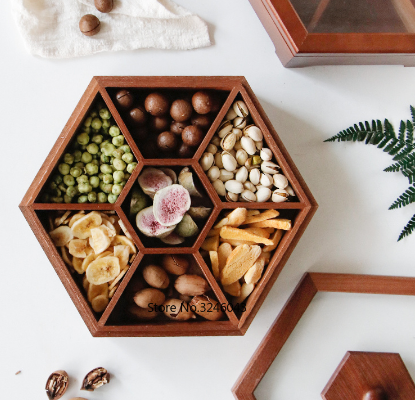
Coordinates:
x,y
50,27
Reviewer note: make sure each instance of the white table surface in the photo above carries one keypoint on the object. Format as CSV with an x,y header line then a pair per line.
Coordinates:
x,y
352,231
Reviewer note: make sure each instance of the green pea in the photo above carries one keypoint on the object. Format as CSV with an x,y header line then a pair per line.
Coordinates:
x,y
105,187
107,149
106,124
71,191
77,154
105,159
97,139
87,129
94,181
45,198
57,179
102,197
75,172
95,162
104,113
88,121
117,153
128,158
57,199
64,168
125,148
126,176
53,186
86,157
118,176
96,124
91,169
119,165
67,199
131,167
107,178
106,169
62,187
92,197
114,131
79,165
69,180
83,199
83,138
101,176
92,148
112,198
118,140
94,113
68,158
82,179
84,187
116,189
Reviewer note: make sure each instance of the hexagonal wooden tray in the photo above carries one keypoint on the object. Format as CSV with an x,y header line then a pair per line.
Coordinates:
x,y
300,211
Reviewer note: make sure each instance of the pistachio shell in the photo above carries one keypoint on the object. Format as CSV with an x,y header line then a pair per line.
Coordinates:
x,y
229,161
219,187
234,186
247,195
248,145
206,161
280,181
263,194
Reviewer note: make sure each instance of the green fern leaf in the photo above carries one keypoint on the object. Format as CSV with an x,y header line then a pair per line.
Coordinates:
x,y
389,130
406,162
410,174
397,148
402,130
393,168
409,228
409,136
408,148
413,114
404,199
391,145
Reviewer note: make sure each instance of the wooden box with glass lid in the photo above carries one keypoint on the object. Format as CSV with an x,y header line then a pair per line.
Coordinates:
x,y
168,206
324,32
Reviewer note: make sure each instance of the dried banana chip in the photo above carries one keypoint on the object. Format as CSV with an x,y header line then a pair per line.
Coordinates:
x,y
87,260
77,264
124,229
61,236
77,247
214,261
97,290
100,239
82,228
103,270
66,257
118,278
61,220
99,303
119,239
122,252
75,218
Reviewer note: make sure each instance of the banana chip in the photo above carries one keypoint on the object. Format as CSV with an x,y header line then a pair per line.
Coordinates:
x,y
99,303
61,236
124,241
97,290
77,247
103,270
82,228
100,239
122,252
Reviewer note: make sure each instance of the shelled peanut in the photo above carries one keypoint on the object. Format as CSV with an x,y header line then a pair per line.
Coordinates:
x,y
240,247
239,166
97,246
173,289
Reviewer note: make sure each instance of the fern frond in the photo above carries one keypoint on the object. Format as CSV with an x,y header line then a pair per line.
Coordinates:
x,y
389,130
407,197
409,136
410,174
408,148
409,228
402,130
406,162
413,114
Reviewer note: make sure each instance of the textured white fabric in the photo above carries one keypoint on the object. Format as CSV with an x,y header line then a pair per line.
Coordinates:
x,y
50,27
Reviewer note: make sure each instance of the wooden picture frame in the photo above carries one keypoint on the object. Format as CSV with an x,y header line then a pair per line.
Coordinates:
x,y
230,88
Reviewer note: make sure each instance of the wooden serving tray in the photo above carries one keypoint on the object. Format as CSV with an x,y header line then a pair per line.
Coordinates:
x,y
326,32
301,210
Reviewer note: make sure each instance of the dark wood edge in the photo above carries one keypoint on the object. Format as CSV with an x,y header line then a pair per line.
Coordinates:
x,y
294,308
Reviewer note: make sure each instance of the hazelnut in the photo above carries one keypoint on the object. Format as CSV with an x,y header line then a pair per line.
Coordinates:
x,y
202,102
159,124
177,127
167,141
124,98
174,264
181,110
138,115
105,6
156,104
202,121
192,135
89,25
185,151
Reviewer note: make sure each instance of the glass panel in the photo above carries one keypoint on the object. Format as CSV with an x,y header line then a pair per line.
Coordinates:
x,y
359,16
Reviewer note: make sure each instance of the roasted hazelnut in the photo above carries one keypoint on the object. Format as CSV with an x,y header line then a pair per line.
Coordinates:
x,y
185,151
192,135
95,379
175,264
181,110
89,25
105,6
156,104
167,141
202,102
57,384
124,98
202,121
177,127
159,124
138,115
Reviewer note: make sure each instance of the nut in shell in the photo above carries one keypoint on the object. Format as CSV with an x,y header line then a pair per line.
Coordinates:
x,y
218,160
206,161
229,161
249,196
248,145
263,194
234,186
240,109
219,187
255,176
266,154
231,197
57,384
226,175
212,149
213,173
250,186
241,156
228,141
266,180
254,133
269,167
95,379
239,122
242,174
279,196
280,181
224,128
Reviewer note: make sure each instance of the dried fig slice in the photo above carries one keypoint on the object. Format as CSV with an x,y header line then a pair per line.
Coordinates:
x,y
95,379
186,180
152,180
57,384
149,226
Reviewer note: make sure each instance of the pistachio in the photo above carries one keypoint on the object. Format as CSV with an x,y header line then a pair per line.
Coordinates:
x,y
263,194
255,176
57,384
250,186
231,196
218,160
95,379
266,180
249,164
228,141
240,109
215,141
224,128
248,195
229,161
239,122
232,153
256,160
253,132
237,132
234,186
280,181
290,191
213,173
248,145
269,167
231,114
237,146
219,186
212,149
241,156
242,174
206,161
226,175
259,144
279,196
266,154
191,285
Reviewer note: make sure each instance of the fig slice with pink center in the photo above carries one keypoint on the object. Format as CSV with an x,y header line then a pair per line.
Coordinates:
x,y
152,179
170,204
149,226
